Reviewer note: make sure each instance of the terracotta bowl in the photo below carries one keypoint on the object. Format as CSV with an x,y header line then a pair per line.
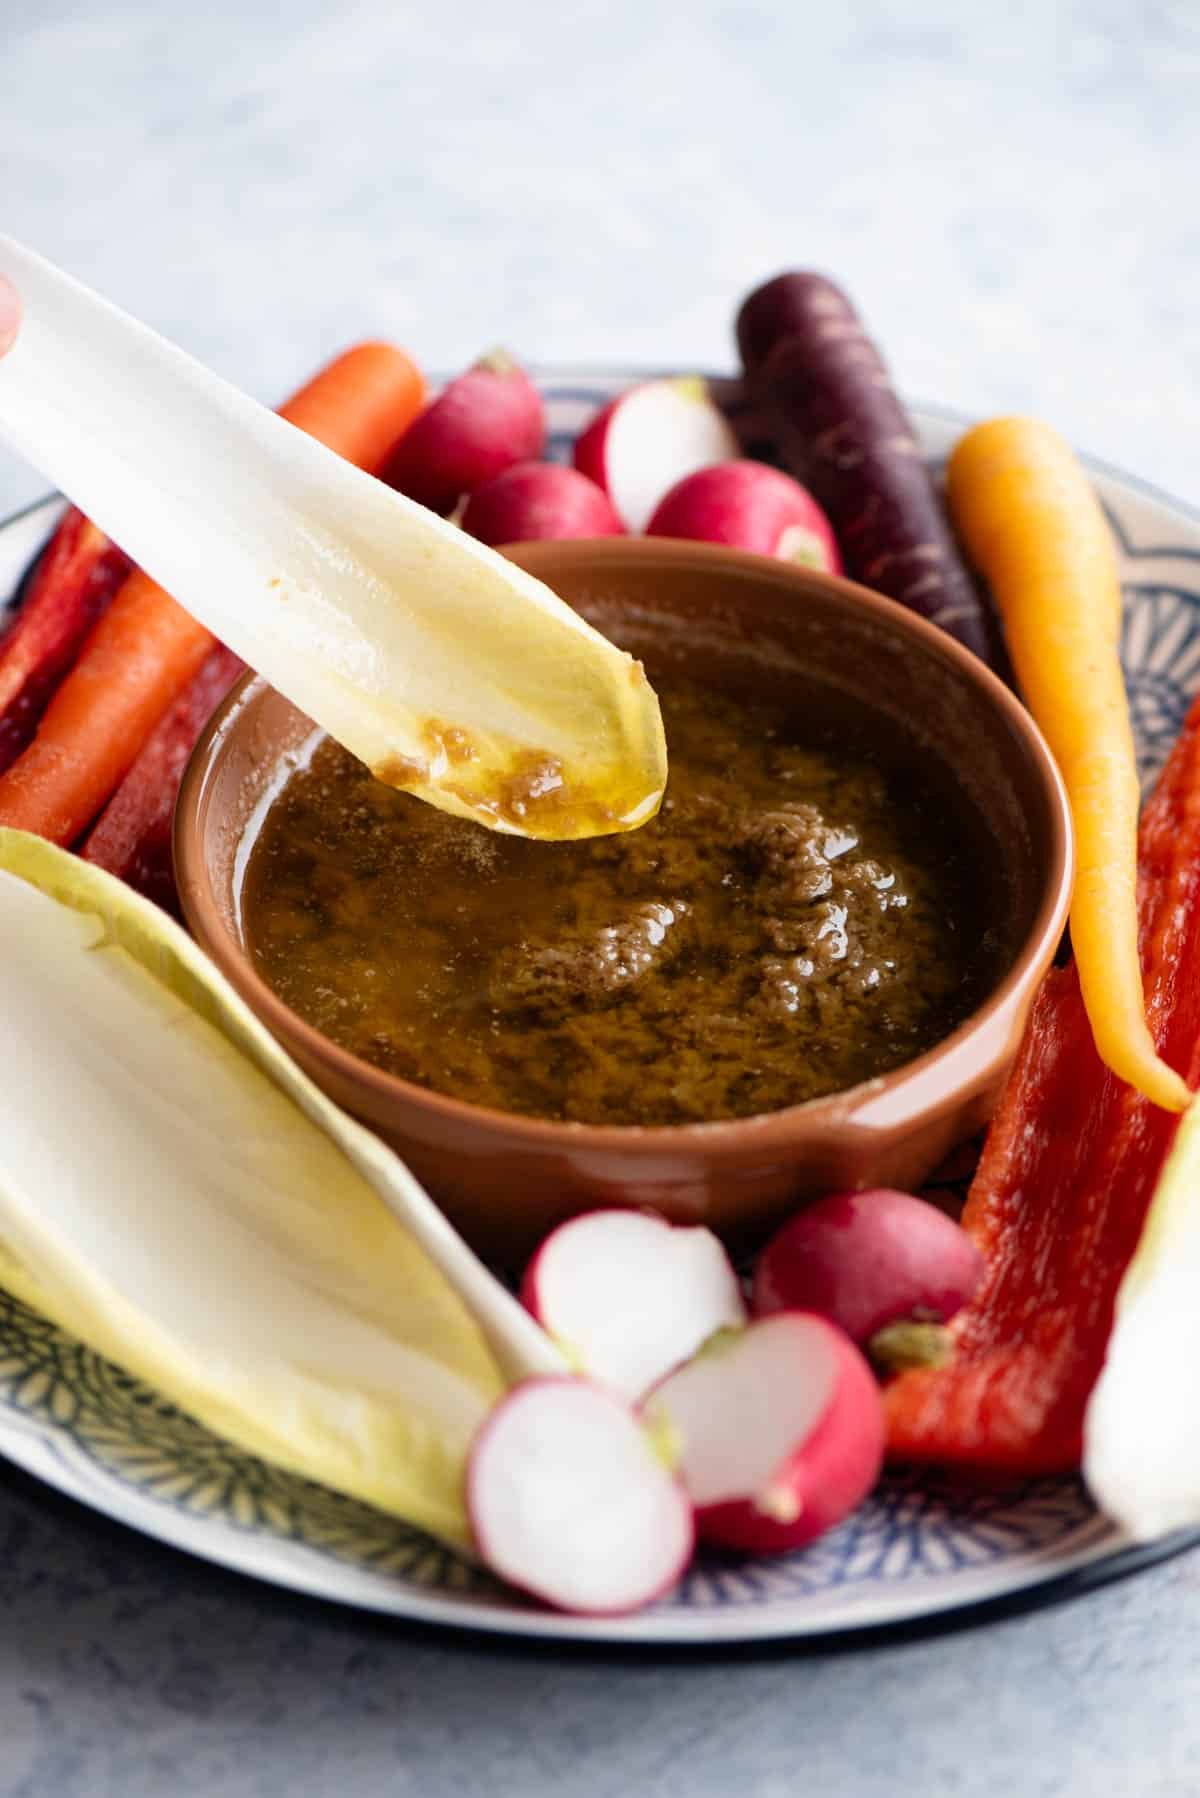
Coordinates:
x,y
741,621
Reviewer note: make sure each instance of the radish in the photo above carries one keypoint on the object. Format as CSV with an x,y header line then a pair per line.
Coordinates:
x,y
750,506
570,1499
778,1429
648,438
890,1269
539,501
479,425
627,1296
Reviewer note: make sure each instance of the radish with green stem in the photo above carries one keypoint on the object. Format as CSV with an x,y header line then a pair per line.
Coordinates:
x,y
889,1268
841,430
571,1500
627,1296
648,438
777,1429
478,425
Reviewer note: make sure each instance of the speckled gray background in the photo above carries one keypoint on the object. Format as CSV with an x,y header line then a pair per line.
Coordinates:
x,y
1011,191
129,1672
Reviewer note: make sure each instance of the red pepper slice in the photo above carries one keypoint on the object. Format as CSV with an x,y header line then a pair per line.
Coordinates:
x,y
1062,1190
77,574
132,837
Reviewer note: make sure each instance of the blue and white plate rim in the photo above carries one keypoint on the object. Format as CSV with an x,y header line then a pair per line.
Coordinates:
x,y
726,1601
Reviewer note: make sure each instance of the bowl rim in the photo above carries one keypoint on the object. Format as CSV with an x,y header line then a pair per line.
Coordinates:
x,y
717,1138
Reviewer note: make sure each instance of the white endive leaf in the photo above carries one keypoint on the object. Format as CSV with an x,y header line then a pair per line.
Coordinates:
x,y
176,1194
1142,1430
441,665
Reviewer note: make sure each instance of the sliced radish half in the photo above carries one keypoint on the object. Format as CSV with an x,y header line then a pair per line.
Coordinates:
x,y
778,1430
570,1500
648,438
627,1297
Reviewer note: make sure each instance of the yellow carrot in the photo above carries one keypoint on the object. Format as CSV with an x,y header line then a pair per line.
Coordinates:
x,y
1029,520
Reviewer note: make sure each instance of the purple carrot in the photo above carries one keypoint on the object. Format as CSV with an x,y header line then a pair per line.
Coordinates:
x,y
841,430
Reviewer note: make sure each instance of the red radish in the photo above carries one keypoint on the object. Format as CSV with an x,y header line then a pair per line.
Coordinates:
x,y
479,425
648,438
537,502
869,1260
570,1499
628,1296
750,506
778,1430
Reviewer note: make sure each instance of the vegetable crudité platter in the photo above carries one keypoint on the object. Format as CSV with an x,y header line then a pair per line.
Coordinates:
x,y
920,1546
888,1415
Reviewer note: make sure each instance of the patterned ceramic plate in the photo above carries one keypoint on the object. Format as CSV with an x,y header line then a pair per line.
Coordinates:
x,y
920,1547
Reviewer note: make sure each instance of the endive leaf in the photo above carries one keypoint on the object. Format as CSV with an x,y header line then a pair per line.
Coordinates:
x,y
1141,1433
176,1194
441,665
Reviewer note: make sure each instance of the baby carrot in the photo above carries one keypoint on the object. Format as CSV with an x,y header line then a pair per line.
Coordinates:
x,y
1029,520
137,657
145,649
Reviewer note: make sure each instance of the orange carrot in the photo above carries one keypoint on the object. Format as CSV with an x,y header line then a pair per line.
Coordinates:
x,y
132,837
138,656
145,649
361,404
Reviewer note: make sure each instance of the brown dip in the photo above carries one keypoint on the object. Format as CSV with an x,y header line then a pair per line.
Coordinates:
x,y
805,912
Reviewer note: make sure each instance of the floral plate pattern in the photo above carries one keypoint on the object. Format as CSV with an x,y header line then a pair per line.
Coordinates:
x,y
920,1547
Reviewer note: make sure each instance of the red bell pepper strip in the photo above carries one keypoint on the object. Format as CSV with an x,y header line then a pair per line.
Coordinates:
x,y
132,837
76,575
1062,1190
